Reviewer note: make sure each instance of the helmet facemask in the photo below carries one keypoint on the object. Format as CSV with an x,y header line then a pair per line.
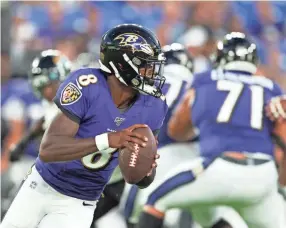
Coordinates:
x,y
143,74
47,77
149,79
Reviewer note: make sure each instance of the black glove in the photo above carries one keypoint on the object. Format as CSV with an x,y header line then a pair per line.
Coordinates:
x,y
146,181
17,152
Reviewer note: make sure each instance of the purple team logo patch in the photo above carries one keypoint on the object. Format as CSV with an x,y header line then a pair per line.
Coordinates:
x,y
70,94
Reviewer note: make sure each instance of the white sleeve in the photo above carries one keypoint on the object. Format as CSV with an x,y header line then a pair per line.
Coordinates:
x,y
35,111
51,110
178,72
13,109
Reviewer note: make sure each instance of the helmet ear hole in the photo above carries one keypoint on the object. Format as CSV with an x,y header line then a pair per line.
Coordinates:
x,y
136,82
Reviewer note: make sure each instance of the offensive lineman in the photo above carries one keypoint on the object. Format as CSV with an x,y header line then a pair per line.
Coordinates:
x,y
178,72
236,166
99,110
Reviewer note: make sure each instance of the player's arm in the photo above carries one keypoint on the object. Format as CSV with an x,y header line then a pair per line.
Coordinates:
x,y
276,111
14,113
18,150
180,126
59,142
74,100
280,134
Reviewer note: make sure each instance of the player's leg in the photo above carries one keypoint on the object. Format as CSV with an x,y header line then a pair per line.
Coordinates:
x,y
218,184
12,179
184,217
179,189
130,205
228,217
217,217
110,199
269,212
62,211
6,187
255,194
134,205
68,213
27,209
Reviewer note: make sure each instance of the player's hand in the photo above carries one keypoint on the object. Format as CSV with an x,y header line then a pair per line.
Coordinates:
x,y
276,109
126,138
154,165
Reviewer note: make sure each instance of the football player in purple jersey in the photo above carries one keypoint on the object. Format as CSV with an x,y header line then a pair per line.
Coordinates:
x,y
99,108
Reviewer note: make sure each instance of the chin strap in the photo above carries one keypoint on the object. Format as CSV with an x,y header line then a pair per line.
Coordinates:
x,y
126,58
116,73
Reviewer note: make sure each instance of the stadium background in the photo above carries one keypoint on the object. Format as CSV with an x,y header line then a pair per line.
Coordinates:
x,y
75,28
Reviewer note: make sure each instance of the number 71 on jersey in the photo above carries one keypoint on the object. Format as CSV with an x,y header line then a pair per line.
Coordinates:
x,y
235,89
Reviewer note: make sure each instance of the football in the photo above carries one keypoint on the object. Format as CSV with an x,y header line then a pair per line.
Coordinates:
x,y
135,165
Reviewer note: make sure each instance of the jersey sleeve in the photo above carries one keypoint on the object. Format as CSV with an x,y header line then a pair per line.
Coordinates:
x,y
277,91
273,92
199,78
158,115
14,109
73,98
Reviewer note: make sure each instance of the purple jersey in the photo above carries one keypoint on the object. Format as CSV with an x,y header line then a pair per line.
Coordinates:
x,y
18,103
85,98
229,112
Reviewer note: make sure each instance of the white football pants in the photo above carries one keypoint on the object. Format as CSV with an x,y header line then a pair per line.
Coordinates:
x,y
171,156
39,205
251,190
133,198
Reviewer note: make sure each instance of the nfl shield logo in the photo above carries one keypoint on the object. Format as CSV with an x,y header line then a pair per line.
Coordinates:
x,y
118,121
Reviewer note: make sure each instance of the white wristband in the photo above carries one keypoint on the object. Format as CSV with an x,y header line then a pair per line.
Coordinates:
x,y
102,142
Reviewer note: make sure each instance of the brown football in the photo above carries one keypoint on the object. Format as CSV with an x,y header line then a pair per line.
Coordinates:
x,y
134,166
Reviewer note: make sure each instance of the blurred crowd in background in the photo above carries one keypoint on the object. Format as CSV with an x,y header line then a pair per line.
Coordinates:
x,y
75,28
